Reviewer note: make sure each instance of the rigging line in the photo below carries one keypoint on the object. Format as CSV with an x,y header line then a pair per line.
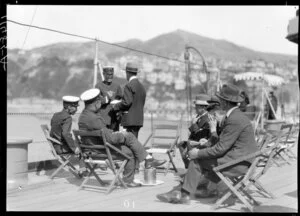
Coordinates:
x,y
94,39
29,27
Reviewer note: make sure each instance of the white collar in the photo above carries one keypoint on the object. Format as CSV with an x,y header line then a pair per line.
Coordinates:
x,y
230,111
131,78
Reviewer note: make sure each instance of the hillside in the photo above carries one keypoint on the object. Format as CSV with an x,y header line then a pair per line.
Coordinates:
x,y
67,68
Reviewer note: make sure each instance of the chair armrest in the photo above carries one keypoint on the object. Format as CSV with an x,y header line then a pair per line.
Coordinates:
x,y
54,140
147,140
117,150
92,147
94,133
253,155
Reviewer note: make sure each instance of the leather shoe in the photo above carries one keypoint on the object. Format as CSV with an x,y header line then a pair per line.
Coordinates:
x,y
175,197
149,163
133,184
204,193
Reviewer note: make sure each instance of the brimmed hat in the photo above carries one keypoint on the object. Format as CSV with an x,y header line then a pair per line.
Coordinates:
x,y
72,100
90,95
202,99
131,67
230,93
214,100
108,69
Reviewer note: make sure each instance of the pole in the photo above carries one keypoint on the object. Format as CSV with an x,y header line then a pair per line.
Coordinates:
x,y
187,74
95,64
204,66
262,101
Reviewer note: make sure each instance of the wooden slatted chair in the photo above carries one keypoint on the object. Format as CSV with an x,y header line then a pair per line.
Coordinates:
x,y
163,140
238,187
63,159
282,147
108,155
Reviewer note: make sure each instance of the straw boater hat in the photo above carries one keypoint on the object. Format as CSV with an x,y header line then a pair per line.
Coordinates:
x,y
72,100
90,95
202,99
131,67
108,69
230,93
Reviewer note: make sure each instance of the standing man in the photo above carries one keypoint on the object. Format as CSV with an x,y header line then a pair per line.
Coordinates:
x,y
236,140
109,91
133,101
61,124
274,103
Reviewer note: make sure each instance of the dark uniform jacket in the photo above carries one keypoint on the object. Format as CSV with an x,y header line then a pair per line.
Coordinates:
x,y
133,102
112,92
236,140
61,124
200,129
90,121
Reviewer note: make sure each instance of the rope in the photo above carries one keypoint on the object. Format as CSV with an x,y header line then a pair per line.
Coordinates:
x,y
95,39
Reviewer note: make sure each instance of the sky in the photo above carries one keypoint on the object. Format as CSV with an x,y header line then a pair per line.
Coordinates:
x,y
261,28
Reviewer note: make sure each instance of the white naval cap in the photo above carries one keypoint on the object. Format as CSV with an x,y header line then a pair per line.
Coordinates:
x,y
90,94
71,99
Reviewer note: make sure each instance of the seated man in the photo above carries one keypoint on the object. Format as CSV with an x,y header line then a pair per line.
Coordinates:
x,y
199,128
236,140
126,141
61,124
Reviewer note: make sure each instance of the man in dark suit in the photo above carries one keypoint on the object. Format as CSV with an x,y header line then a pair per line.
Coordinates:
x,y
61,124
90,121
110,91
133,101
236,140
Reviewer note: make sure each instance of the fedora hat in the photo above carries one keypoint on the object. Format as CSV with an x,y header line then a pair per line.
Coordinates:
x,y
201,99
131,67
230,93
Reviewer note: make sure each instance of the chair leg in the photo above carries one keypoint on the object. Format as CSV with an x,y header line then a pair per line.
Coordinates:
x,y
259,186
88,177
171,160
117,175
234,190
63,164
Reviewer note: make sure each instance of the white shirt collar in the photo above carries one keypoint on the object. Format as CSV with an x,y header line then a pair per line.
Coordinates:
x,y
230,111
131,78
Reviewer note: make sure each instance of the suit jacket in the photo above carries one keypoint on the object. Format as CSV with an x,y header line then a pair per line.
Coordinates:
x,y
61,124
133,104
236,140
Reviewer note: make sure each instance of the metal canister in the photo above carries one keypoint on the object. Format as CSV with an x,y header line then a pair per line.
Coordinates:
x,y
150,176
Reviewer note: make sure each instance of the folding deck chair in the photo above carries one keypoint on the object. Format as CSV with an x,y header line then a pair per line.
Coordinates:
x,y
163,141
63,159
283,147
109,156
238,187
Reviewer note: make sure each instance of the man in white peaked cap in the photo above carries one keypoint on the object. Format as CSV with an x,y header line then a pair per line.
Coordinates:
x,y
89,120
61,125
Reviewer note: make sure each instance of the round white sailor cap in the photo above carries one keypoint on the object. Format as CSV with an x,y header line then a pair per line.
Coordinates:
x,y
90,94
71,99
